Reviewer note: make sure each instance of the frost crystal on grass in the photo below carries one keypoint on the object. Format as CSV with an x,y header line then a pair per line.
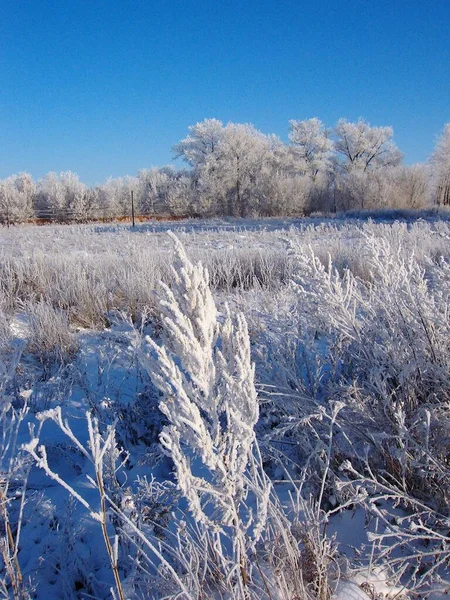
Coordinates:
x,y
205,372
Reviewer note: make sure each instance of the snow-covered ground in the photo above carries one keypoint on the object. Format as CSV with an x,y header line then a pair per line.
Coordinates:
x,y
371,335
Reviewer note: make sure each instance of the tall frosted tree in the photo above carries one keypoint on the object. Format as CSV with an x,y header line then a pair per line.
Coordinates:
x,y
364,156
59,195
16,198
312,146
150,183
201,142
165,190
117,195
230,166
362,147
243,154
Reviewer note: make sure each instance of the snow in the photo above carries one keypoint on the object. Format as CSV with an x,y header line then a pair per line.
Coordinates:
x,y
19,326
347,590
61,542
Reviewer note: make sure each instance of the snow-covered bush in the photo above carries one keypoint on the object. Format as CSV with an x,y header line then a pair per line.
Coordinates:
x,y
16,198
205,372
203,368
382,344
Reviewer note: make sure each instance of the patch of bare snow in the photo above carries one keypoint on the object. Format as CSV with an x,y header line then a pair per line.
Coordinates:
x,y
20,327
348,590
378,580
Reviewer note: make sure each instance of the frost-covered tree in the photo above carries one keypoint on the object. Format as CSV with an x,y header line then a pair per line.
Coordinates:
x,y
244,153
201,142
16,198
50,199
117,194
179,196
57,194
25,185
281,193
362,147
86,205
440,162
200,149
312,146
232,166
165,191
401,187
408,186
150,183
365,155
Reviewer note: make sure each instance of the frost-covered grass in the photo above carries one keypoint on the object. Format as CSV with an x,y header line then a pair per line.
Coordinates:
x,y
89,270
162,464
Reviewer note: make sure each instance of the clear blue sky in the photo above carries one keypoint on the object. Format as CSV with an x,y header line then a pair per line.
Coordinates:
x,y
107,88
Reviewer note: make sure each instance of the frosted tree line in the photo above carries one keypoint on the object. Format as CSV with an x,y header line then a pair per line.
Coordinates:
x,y
236,170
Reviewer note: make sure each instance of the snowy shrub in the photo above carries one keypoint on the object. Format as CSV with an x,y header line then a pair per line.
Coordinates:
x,y
205,373
382,345
408,539
391,332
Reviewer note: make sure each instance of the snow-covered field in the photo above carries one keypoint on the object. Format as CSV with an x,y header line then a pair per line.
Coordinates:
x,y
143,457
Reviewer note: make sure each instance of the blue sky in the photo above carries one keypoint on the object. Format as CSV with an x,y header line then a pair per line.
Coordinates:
x,y
107,88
